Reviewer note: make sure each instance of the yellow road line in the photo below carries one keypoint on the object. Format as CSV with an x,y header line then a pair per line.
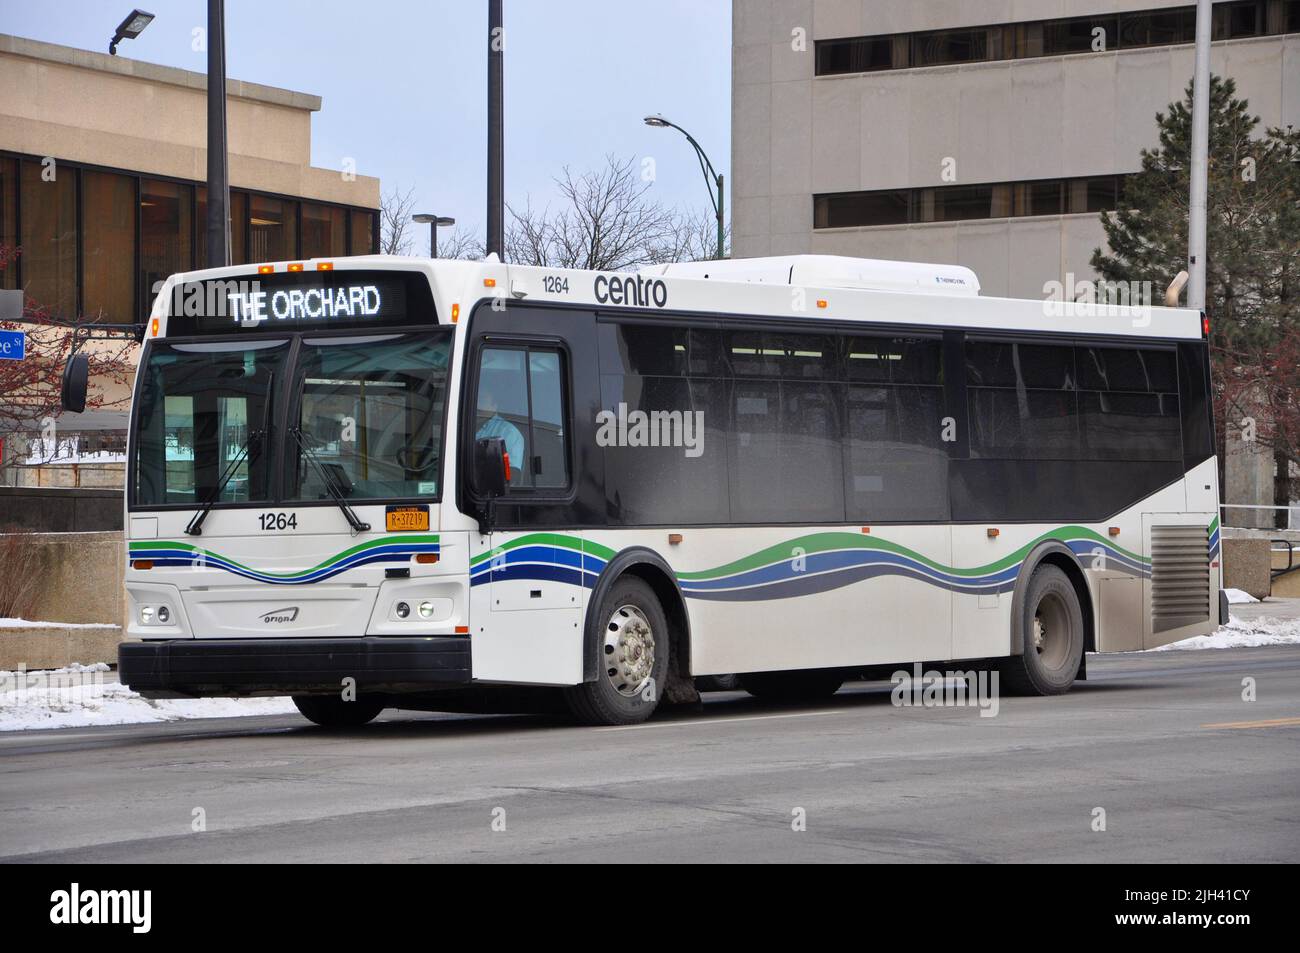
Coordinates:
x,y
1270,723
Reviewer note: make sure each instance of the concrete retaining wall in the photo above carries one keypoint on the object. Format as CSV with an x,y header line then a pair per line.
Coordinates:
x,y
79,581
1247,565
54,510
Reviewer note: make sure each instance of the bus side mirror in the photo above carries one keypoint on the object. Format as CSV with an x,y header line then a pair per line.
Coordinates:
x,y
491,466
76,376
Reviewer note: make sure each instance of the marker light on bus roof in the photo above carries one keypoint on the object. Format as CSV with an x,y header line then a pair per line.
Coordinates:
x,y
455,313
324,266
265,269
821,302
295,266
489,282
153,328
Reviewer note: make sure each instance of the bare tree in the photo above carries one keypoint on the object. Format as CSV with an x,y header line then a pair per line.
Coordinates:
x,y
460,243
694,237
395,235
605,222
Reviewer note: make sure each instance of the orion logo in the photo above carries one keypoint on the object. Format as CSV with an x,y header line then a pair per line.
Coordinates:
x,y
287,614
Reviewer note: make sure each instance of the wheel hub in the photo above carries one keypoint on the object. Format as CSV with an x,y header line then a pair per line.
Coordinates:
x,y
629,651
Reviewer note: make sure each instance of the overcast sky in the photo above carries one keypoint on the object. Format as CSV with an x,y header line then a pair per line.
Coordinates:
x,y
403,82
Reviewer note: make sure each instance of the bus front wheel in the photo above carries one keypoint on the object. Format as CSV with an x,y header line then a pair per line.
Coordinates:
x,y
631,650
330,711
1051,632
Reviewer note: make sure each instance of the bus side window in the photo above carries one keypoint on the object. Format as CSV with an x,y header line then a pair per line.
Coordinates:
x,y
521,400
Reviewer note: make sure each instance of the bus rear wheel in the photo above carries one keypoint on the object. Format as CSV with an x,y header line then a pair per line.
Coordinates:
x,y
330,711
631,654
792,686
1051,632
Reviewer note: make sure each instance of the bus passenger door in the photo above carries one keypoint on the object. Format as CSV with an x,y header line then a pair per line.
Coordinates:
x,y
527,596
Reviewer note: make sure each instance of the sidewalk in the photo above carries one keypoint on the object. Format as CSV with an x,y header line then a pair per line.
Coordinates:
x,y
1270,608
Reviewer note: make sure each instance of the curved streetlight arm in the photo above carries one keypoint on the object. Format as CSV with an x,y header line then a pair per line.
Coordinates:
x,y
706,167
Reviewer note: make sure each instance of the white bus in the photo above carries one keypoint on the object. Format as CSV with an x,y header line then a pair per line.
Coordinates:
x,y
389,482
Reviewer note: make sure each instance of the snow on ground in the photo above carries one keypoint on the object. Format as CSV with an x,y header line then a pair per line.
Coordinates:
x,y
8,623
85,695
1243,633
1238,597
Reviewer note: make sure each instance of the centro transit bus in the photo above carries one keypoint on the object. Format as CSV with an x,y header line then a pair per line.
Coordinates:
x,y
389,482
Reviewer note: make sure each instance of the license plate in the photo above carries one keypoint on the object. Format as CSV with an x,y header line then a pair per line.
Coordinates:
x,y
404,519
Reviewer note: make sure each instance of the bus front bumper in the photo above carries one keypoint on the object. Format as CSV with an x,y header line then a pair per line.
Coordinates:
x,y
191,668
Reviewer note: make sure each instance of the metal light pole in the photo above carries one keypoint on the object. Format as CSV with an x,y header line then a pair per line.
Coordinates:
x,y
218,224
1200,149
710,175
433,221
496,220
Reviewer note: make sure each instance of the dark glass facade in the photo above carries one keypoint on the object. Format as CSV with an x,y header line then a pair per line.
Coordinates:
x,y
954,203
1103,32
97,242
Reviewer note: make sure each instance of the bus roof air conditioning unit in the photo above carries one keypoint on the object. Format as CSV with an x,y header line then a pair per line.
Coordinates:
x,y
832,271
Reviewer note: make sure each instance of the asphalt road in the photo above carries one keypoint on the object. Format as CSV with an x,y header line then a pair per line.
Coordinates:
x,y
1145,739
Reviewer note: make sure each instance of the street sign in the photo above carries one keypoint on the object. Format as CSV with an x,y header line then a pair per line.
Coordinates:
x,y
13,345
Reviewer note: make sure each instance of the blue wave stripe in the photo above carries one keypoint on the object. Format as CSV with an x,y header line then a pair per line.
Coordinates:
x,y
398,552
836,579
540,554
840,559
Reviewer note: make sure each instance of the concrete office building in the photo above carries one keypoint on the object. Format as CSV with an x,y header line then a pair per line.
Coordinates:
x,y
102,162
986,133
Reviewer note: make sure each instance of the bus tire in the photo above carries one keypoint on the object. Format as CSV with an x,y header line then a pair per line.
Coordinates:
x,y
1051,633
810,685
631,647
330,711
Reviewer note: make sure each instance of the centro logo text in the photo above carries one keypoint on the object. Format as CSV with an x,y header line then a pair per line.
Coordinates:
x,y
76,906
287,614
632,290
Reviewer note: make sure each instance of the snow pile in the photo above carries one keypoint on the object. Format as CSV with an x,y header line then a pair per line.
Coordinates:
x,y
9,623
1244,633
1238,597
83,695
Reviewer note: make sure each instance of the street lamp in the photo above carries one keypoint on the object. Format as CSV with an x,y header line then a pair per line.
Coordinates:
x,y
433,221
710,176
129,29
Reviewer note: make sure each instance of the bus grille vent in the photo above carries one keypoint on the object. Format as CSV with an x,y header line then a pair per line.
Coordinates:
x,y
1180,576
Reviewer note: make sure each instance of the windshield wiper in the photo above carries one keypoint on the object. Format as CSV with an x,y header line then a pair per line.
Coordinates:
x,y
195,527
335,492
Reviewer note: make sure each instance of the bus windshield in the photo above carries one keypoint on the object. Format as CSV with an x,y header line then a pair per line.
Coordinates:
x,y
364,414
370,409
196,407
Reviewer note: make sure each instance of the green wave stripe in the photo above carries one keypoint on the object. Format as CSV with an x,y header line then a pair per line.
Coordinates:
x,y
828,542
369,544
548,539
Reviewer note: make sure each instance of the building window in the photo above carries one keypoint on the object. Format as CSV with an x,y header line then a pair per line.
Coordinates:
x,y
324,231
49,236
108,207
956,203
363,233
166,233
1090,34
272,229
8,223
238,216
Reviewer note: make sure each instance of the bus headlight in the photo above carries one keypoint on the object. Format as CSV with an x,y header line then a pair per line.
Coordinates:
x,y
402,610
426,610
146,615
164,615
